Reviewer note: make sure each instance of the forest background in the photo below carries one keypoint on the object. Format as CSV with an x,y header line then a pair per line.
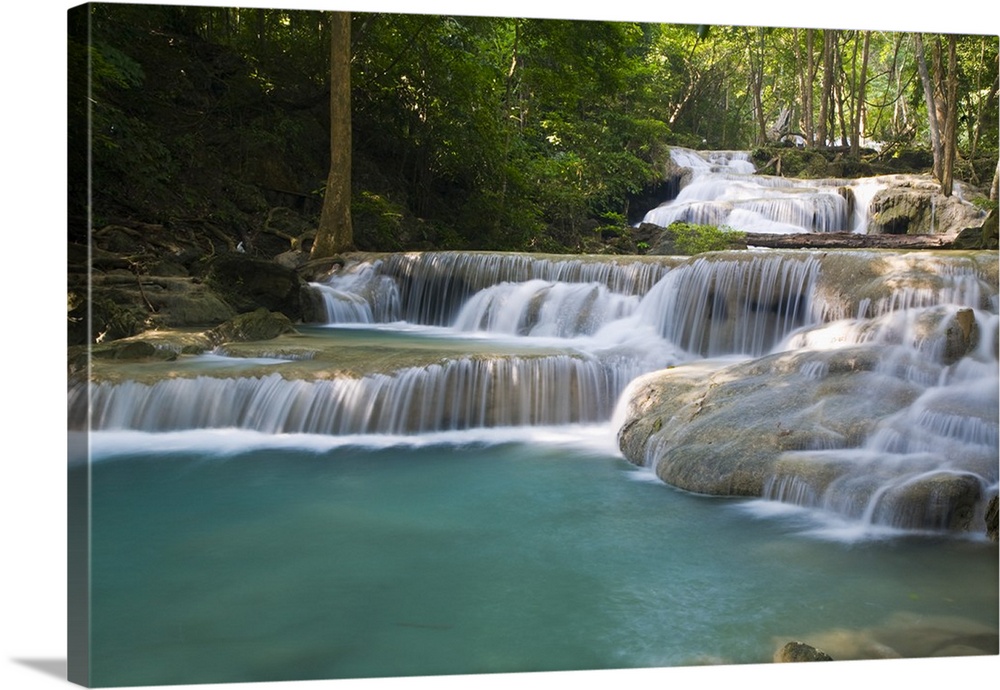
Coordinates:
x,y
497,133
34,515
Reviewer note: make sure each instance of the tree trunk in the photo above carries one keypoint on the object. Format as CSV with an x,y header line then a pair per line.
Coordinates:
x,y
981,122
859,101
941,96
826,96
806,73
811,79
899,114
846,240
335,233
757,84
950,142
841,75
932,120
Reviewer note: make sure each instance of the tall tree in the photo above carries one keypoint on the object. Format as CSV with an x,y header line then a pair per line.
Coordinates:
x,y
940,95
335,233
951,123
823,134
928,86
859,101
807,76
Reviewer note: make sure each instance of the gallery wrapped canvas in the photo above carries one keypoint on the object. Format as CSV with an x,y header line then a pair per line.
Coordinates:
x,y
425,344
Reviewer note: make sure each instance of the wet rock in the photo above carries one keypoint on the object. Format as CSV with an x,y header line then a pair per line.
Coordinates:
x,y
707,442
961,335
128,350
910,636
941,500
800,651
991,519
260,324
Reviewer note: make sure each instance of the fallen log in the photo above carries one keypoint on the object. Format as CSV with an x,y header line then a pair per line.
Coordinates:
x,y
847,240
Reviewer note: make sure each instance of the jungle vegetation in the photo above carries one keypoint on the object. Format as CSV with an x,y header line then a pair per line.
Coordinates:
x,y
479,132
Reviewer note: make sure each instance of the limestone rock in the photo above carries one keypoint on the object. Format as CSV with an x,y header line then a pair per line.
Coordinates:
x,y
256,325
692,425
941,500
800,651
914,205
991,519
985,236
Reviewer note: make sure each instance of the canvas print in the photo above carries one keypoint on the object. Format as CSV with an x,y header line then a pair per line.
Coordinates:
x,y
406,344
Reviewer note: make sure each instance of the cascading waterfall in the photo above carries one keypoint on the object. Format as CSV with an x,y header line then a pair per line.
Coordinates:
x,y
456,394
442,450
429,288
929,465
723,189
714,307
544,308
572,333
359,294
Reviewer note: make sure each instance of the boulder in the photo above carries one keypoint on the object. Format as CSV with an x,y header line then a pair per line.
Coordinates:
x,y
800,651
913,204
246,283
984,236
693,427
939,500
260,324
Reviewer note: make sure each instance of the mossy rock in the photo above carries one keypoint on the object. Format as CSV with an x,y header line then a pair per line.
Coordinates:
x,y
246,283
850,167
984,237
111,315
259,324
912,160
800,651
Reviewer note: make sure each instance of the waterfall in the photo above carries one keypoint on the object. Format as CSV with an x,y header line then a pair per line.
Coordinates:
x,y
927,466
433,286
455,394
359,294
716,306
544,308
863,192
723,189
458,341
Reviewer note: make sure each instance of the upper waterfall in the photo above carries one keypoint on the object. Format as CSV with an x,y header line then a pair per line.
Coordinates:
x,y
721,188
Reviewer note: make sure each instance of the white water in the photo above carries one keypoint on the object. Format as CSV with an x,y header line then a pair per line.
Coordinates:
x,y
572,333
430,287
457,394
724,190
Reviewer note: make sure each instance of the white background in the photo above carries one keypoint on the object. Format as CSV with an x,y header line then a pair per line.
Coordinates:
x,y
32,227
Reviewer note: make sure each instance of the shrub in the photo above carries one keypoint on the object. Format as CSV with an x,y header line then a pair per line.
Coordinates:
x,y
691,239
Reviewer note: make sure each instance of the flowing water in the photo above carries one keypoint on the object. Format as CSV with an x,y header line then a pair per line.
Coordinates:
x,y
723,190
432,485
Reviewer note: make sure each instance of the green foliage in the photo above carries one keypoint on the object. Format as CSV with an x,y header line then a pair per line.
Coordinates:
x,y
984,203
486,132
111,67
378,222
691,239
